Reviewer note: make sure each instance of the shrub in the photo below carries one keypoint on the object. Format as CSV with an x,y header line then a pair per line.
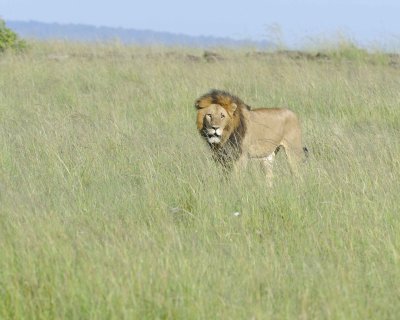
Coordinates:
x,y
9,39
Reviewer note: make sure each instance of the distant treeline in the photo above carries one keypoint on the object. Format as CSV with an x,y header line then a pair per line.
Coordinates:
x,y
80,32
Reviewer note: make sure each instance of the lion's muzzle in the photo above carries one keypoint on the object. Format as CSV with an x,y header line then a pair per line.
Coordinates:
x,y
213,135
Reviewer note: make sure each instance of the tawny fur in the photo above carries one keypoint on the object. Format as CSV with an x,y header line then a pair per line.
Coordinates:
x,y
246,133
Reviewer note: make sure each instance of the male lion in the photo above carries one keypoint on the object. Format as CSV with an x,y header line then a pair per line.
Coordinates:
x,y
236,133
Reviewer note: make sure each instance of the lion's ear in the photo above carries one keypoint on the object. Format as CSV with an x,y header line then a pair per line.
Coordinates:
x,y
197,104
233,107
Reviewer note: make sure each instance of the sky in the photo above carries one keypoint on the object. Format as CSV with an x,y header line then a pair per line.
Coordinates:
x,y
288,21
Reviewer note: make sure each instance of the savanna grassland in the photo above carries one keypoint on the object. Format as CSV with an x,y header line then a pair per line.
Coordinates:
x,y
111,207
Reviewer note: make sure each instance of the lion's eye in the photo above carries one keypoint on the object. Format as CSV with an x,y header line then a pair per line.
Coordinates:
x,y
222,116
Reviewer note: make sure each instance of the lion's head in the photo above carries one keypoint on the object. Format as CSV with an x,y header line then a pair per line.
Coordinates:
x,y
214,123
219,117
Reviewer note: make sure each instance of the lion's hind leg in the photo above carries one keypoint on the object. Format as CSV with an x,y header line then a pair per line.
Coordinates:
x,y
294,149
294,156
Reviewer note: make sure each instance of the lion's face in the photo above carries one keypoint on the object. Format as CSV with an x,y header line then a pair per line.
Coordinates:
x,y
213,122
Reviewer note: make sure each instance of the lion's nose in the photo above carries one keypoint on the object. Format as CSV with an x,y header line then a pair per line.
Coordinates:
x,y
215,127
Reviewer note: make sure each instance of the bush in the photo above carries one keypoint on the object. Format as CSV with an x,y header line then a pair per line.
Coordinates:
x,y
9,39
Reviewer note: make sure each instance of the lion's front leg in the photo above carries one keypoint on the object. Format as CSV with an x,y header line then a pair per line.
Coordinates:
x,y
240,163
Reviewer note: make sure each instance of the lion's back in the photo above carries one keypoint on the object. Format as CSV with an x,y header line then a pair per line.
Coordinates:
x,y
267,128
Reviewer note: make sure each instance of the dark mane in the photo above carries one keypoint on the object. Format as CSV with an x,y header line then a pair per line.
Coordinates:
x,y
232,148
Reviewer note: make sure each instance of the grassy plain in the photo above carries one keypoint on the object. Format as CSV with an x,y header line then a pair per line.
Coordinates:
x,y
111,207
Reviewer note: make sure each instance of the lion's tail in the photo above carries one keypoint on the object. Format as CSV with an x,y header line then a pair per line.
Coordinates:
x,y
306,153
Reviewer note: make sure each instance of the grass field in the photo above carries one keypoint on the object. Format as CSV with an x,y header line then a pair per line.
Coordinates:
x,y
111,207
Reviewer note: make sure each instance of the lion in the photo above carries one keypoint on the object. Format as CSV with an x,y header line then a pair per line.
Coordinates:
x,y
236,133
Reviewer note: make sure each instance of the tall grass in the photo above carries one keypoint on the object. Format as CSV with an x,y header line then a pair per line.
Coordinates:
x,y
111,207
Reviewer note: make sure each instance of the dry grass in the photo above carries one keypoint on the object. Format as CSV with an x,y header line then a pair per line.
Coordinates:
x,y
111,207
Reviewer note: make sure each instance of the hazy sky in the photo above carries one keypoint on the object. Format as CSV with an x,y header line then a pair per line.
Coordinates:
x,y
365,21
